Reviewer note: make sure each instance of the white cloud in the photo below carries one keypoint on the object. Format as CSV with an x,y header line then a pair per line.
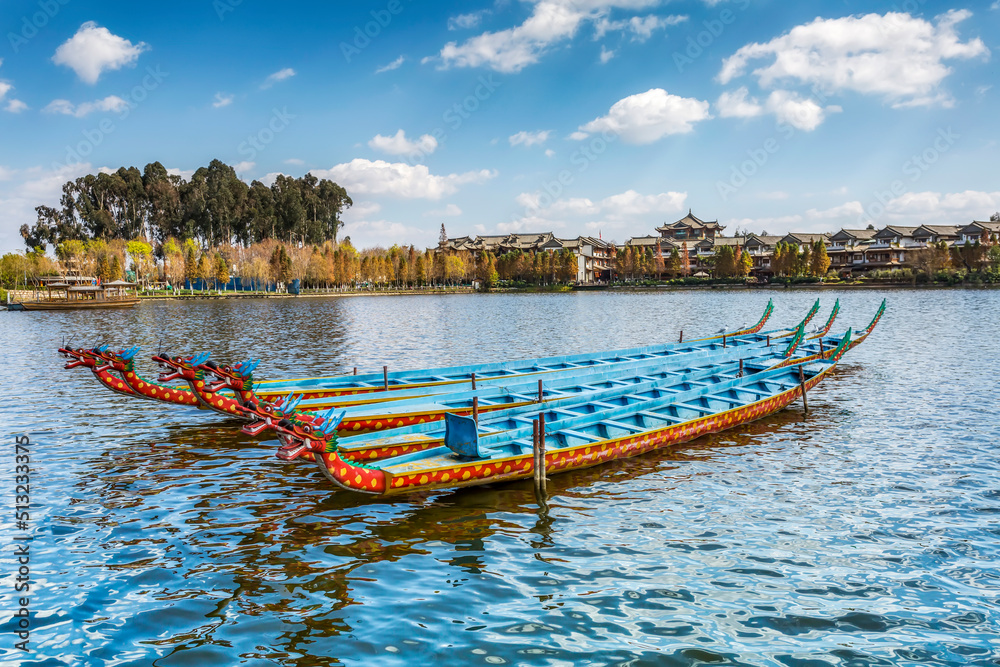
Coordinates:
x,y
647,117
606,55
398,144
629,211
94,50
551,21
243,167
788,107
365,209
4,87
467,21
802,114
524,138
398,179
395,64
16,106
222,100
449,211
578,135
294,160
65,107
549,152
24,189
641,27
896,56
280,75
736,105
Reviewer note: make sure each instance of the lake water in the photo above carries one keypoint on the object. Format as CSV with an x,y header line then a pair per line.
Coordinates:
x,y
866,532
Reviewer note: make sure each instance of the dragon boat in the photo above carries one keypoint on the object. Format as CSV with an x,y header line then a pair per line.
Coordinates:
x,y
321,435
306,434
122,362
573,441
302,433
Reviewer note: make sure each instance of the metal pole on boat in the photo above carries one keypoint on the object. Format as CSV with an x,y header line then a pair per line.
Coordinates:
x,y
355,370
769,340
475,409
723,341
821,346
802,383
682,337
473,382
385,378
540,394
541,450
741,368
534,452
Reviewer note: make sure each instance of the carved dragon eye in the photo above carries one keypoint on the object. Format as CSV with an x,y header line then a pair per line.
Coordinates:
x,y
227,369
307,428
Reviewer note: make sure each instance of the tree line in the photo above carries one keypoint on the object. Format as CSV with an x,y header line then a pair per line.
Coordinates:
x,y
214,208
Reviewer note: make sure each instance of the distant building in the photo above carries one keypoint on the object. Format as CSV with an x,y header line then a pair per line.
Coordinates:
x,y
979,231
594,257
851,251
689,228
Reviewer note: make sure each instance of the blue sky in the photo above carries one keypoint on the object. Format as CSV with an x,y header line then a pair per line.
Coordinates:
x,y
576,116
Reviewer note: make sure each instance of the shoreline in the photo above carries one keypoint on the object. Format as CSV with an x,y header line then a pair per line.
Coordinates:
x,y
596,288
592,288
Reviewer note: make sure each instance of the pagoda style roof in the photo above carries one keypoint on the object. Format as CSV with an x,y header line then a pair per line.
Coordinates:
x,y
854,234
650,241
936,230
761,240
895,230
993,227
690,221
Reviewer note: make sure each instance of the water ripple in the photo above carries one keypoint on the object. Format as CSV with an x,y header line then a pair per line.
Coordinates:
x,y
863,533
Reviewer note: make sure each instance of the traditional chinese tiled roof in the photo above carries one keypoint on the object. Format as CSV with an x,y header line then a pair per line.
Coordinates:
x,y
692,222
